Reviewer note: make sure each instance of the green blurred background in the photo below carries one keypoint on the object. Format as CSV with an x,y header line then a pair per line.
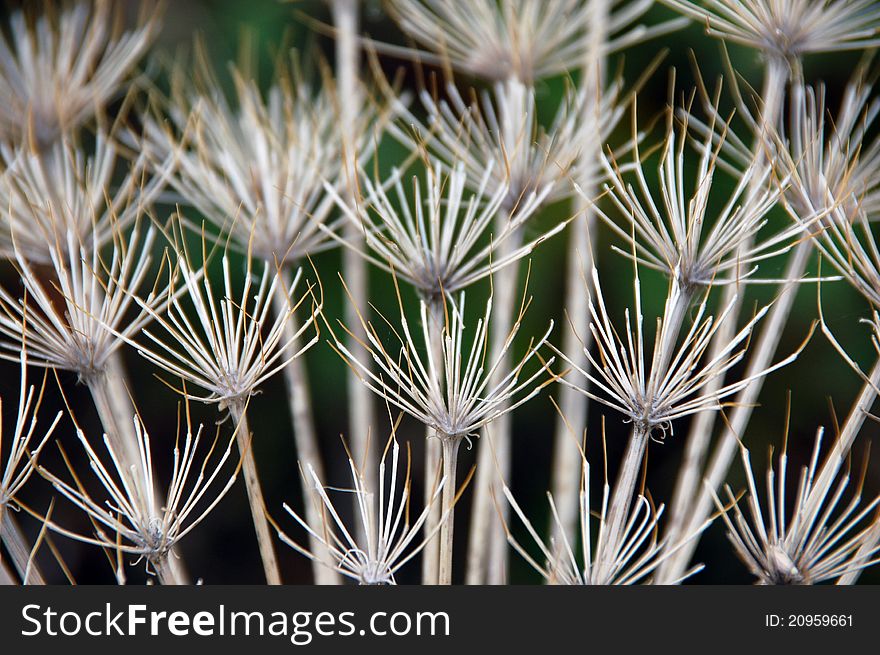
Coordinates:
x,y
224,550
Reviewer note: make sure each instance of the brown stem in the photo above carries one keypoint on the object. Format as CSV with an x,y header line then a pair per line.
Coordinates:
x,y
255,494
13,538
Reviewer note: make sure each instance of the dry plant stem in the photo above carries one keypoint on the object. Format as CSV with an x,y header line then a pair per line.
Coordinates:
x,y
496,570
688,485
487,547
166,572
571,424
305,438
777,74
169,570
862,554
112,400
431,552
726,449
433,456
345,20
672,324
255,493
450,460
622,496
6,577
18,549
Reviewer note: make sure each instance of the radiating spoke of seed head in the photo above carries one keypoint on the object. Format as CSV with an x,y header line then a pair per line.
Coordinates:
x,y
76,319
676,378
27,440
684,230
640,550
455,396
46,193
818,537
440,238
256,165
229,343
387,537
62,65
788,29
525,39
121,521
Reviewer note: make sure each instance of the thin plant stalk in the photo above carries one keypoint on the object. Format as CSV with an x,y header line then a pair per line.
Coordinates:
x,y
624,489
487,548
168,570
6,577
110,394
572,418
688,485
431,552
450,461
20,553
433,457
862,554
166,573
304,434
355,271
238,411
496,569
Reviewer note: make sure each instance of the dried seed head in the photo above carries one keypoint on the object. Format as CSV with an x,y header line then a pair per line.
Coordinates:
x,y
390,540
122,520
524,39
25,445
453,396
441,239
832,164
86,310
62,189
788,29
681,233
640,552
61,67
499,130
256,166
228,345
815,540
676,381
834,172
